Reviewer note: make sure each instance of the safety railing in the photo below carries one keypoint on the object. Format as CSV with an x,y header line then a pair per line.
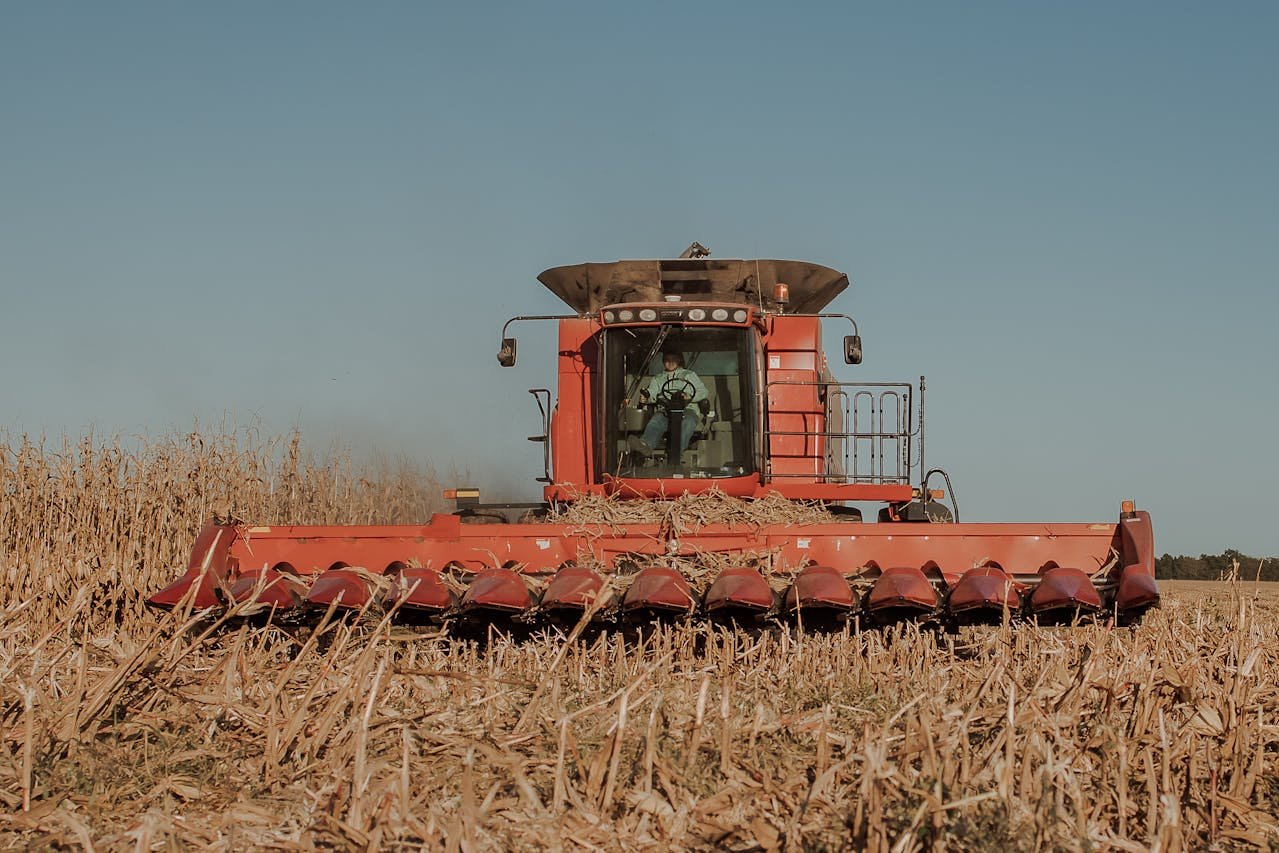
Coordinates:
x,y
867,433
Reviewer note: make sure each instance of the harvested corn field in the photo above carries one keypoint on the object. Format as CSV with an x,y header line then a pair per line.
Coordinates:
x,y
124,727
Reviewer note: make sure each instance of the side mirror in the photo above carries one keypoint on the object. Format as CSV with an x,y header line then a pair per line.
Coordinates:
x,y
506,355
852,349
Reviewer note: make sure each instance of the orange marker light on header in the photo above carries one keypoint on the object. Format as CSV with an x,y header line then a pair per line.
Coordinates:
x,y
781,293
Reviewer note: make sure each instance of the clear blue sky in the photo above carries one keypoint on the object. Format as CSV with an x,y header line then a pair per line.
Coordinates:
x,y
1066,215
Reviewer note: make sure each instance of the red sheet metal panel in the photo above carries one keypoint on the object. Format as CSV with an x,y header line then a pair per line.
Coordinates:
x,y
955,548
420,589
573,422
739,588
659,589
212,566
347,588
985,588
902,587
574,588
270,588
1064,588
819,588
502,590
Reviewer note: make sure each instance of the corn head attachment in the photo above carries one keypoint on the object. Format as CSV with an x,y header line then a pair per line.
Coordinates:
x,y
817,572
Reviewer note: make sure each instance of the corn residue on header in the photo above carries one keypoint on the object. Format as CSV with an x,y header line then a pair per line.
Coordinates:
x,y
690,512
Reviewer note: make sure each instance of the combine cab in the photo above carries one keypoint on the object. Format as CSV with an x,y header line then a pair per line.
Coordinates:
x,y
749,414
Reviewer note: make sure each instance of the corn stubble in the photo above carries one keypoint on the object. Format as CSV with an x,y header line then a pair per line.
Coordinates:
x,y
126,728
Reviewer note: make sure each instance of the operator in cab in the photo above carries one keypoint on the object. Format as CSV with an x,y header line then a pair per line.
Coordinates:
x,y
671,384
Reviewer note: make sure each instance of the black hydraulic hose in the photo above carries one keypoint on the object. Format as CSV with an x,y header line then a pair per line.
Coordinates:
x,y
950,490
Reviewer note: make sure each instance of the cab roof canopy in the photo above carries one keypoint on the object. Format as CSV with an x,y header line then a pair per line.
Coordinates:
x,y
589,287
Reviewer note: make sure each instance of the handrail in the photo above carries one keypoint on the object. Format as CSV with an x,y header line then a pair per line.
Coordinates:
x,y
887,440
545,437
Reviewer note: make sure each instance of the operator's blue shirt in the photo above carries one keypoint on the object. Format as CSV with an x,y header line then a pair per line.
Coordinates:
x,y
673,381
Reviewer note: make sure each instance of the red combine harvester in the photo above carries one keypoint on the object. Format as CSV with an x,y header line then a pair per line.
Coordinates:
x,y
681,377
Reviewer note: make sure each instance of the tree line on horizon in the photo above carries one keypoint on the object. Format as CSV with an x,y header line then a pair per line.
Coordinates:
x,y
1211,567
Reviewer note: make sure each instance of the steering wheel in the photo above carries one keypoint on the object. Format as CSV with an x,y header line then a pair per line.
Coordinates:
x,y
674,386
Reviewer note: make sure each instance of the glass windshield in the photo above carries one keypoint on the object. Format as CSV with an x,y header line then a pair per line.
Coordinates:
x,y
679,402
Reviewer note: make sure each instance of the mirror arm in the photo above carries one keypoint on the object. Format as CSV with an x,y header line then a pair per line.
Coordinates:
x,y
507,325
506,357
839,317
